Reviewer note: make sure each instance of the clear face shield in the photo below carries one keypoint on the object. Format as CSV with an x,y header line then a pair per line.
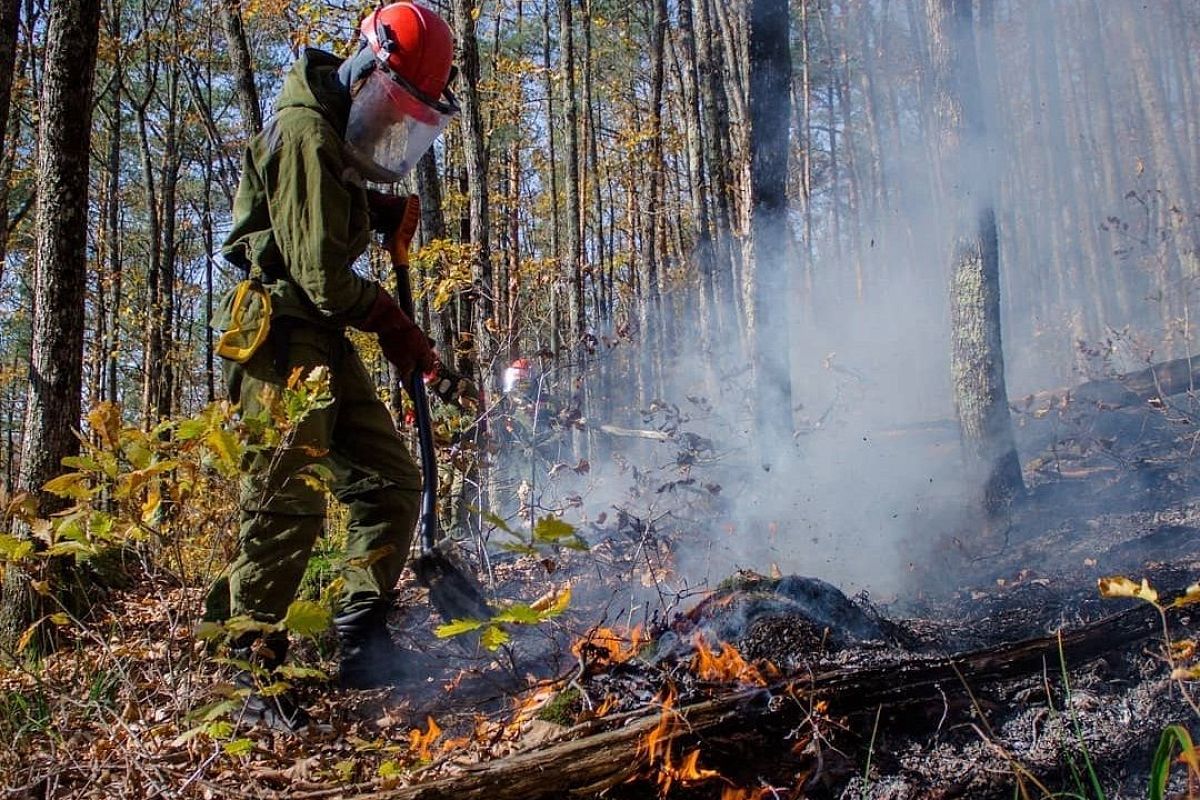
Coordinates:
x,y
390,128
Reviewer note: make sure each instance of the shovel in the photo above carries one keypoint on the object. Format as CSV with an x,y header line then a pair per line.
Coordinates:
x,y
453,589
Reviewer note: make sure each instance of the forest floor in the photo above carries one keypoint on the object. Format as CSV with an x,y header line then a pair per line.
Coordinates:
x,y
1113,491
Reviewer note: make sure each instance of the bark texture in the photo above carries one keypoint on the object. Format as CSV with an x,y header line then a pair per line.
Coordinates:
x,y
977,356
53,403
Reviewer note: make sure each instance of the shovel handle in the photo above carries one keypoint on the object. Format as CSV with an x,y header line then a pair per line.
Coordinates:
x,y
397,247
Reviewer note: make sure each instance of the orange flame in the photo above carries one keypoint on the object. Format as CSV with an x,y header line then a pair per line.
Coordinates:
x,y
659,738
421,743
738,793
727,666
609,701
611,645
660,751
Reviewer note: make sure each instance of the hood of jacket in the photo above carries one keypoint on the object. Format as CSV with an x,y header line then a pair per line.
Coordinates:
x,y
313,82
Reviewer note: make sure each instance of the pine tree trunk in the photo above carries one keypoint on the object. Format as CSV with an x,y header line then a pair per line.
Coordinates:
x,y
53,404
977,356
574,246
475,158
242,64
770,118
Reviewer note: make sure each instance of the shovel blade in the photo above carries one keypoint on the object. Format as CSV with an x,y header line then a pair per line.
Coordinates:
x,y
454,592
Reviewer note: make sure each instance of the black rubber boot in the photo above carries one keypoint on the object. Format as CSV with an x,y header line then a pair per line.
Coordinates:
x,y
277,711
370,659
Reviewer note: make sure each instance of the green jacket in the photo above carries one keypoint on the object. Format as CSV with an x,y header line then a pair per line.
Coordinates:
x,y
300,216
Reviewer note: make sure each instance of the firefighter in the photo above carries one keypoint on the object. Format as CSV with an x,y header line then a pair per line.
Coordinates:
x,y
301,217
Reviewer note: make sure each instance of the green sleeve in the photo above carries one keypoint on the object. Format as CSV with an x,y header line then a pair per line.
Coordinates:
x,y
319,226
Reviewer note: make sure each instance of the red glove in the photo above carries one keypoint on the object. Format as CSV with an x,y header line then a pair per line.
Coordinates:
x,y
402,342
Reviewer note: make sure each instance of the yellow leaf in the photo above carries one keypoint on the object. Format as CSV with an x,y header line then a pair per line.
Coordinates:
x,y
72,484
1190,597
475,14
150,507
1119,586
60,619
27,637
105,420
226,446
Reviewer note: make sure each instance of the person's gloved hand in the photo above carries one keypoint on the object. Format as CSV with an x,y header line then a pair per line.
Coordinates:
x,y
452,388
402,342
385,210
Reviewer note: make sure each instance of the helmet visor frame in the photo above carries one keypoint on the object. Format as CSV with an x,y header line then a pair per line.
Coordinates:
x,y
391,126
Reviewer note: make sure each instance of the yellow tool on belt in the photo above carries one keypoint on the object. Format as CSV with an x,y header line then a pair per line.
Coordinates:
x,y
242,339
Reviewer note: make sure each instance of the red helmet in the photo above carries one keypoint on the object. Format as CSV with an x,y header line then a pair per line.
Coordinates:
x,y
404,103
414,45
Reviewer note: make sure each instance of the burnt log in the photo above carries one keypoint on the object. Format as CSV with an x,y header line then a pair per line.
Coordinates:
x,y
1161,380
605,753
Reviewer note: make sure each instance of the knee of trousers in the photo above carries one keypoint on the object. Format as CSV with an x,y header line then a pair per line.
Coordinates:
x,y
273,551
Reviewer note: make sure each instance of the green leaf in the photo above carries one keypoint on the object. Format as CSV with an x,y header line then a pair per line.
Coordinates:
x,y
1160,765
243,624
80,550
495,521
209,631
219,729
13,549
389,769
550,529
215,711
458,627
188,735
494,636
85,463
238,747
190,429
293,673
519,613
519,548
306,618
101,525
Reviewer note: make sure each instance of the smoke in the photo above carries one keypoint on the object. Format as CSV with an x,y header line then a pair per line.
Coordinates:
x,y
872,488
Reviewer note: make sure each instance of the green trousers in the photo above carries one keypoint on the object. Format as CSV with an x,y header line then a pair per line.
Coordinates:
x,y
282,514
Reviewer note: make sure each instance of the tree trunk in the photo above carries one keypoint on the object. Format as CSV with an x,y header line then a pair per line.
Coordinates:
x,y
475,156
10,18
574,255
242,64
770,138
53,404
977,357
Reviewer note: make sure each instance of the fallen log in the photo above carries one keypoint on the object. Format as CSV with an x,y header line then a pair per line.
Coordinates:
x,y
634,433
593,759
1160,380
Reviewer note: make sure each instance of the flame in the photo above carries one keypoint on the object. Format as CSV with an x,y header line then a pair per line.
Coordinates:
x,y
420,743
610,700
738,793
661,736
727,666
660,752
611,645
